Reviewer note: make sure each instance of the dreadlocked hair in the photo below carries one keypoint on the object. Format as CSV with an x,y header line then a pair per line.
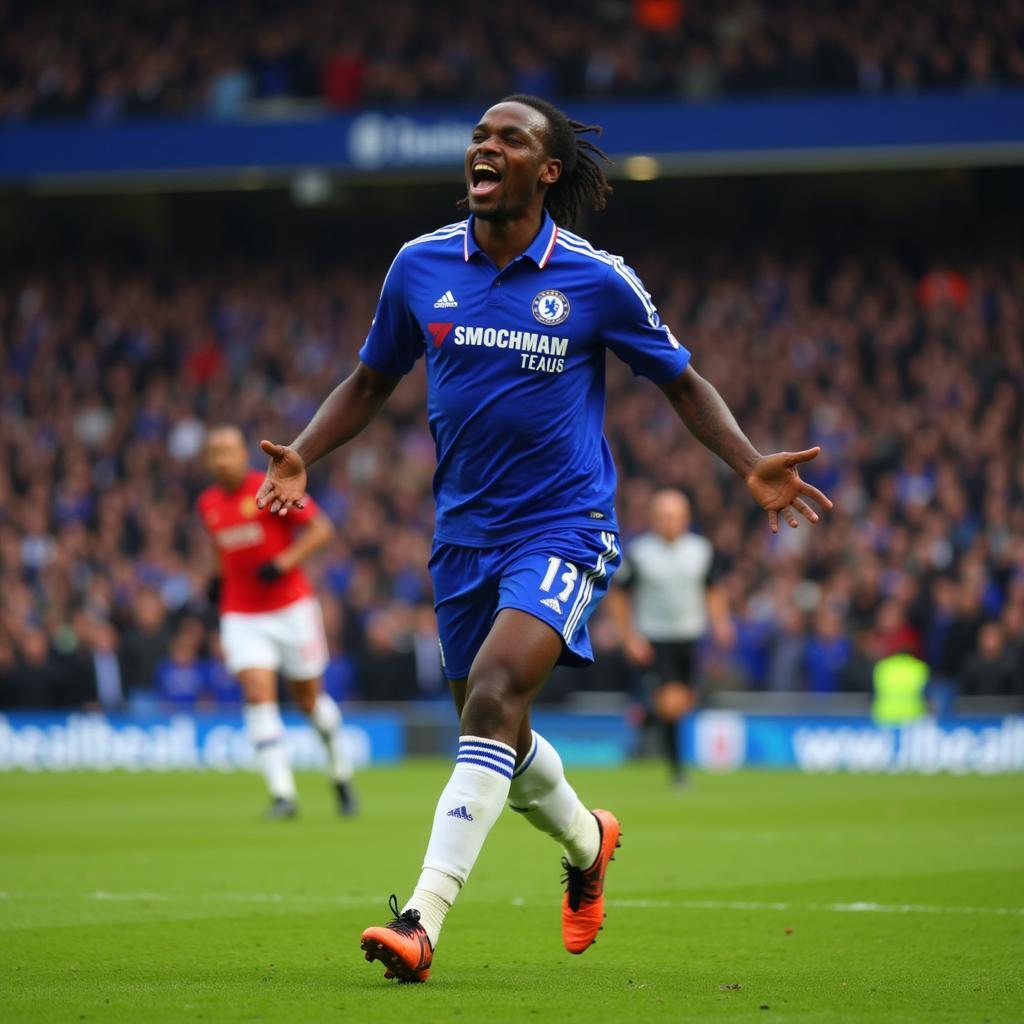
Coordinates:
x,y
582,184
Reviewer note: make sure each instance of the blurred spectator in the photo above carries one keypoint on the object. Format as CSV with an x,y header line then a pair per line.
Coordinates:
x,y
429,674
788,651
36,676
829,651
102,640
857,675
146,640
180,679
340,674
222,688
993,669
343,75
229,88
388,663
962,634
893,633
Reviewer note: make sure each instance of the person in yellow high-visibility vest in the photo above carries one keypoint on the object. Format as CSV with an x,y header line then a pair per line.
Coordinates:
x,y
899,683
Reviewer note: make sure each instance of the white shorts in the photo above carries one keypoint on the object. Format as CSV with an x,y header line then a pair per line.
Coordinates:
x,y
288,640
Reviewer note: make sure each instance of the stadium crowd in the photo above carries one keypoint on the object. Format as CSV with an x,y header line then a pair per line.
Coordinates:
x,y
130,59
912,383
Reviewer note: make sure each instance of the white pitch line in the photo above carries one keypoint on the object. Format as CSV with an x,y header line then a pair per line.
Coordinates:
x,y
105,896
838,908
639,904
283,899
276,897
125,897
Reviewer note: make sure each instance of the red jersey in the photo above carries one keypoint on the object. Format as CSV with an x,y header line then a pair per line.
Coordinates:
x,y
246,538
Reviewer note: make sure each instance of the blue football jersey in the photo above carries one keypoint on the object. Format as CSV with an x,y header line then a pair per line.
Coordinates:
x,y
515,363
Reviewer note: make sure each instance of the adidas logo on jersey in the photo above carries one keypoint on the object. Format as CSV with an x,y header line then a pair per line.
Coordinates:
x,y
460,812
552,603
447,301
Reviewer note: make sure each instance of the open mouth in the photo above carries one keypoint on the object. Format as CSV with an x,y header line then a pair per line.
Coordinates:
x,y
484,179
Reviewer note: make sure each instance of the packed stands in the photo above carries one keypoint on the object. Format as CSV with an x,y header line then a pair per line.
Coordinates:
x,y
126,59
911,379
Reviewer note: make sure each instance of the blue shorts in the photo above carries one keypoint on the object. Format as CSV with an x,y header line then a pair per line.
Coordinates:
x,y
559,577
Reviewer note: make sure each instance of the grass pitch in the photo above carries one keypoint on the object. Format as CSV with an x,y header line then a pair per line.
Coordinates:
x,y
748,897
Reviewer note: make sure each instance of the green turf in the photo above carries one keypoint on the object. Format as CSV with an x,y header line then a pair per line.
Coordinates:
x,y
153,898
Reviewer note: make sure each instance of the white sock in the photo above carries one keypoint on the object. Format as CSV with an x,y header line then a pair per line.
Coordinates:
x,y
542,795
469,806
326,719
433,897
582,840
266,734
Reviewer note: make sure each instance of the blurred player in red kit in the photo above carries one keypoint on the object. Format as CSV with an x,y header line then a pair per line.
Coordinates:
x,y
270,620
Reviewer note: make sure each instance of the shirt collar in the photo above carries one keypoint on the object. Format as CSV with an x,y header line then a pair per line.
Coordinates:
x,y
540,249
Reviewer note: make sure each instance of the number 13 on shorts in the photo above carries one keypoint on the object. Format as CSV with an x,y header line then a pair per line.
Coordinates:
x,y
561,591
567,579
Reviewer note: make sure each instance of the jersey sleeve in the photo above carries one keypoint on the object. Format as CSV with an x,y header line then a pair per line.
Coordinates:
x,y
395,340
634,331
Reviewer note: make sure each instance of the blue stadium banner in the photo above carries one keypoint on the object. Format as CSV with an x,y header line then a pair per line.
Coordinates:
x,y
590,740
726,740
751,134
714,740
50,741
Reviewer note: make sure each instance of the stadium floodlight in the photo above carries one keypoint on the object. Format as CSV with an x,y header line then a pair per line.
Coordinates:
x,y
311,187
641,168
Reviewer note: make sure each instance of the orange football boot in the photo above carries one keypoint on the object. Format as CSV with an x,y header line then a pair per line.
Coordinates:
x,y
401,946
583,904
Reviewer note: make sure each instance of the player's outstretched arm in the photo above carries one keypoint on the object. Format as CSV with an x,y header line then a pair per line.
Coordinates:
x,y
773,480
344,413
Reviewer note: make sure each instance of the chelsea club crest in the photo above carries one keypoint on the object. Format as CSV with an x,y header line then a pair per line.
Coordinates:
x,y
550,308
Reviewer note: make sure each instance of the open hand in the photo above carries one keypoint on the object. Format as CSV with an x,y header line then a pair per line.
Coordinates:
x,y
285,483
776,486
